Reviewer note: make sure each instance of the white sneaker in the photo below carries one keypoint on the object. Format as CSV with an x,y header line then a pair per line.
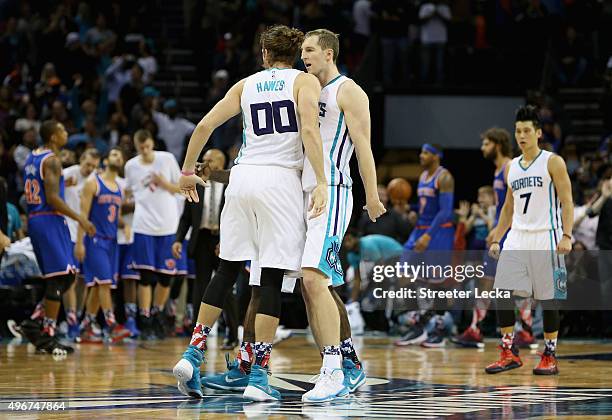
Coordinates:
x,y
329,386
281,334
355,319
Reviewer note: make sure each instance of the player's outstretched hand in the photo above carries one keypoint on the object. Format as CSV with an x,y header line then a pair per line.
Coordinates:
x,y
375,210
318,201
494,250
187,184
565,246
177,249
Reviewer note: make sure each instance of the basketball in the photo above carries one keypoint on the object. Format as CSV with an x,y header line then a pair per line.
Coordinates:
x,y
399,190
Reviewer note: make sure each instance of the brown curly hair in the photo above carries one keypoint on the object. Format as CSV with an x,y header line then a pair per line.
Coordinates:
x,y
283,43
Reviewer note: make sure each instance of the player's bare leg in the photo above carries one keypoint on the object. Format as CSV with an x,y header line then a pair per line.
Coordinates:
x,y
324,319
354,375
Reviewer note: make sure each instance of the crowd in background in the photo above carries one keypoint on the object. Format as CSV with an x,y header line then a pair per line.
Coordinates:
x,y
92,66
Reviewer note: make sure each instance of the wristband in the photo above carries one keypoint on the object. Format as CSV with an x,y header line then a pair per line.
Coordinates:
x,y
187,173
568,236
494,242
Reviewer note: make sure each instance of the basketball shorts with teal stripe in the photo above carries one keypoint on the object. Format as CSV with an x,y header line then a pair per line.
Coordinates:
x,y
324,234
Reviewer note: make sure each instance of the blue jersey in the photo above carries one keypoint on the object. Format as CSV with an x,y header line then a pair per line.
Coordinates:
x,y
500,187
105,209
34,188
429,198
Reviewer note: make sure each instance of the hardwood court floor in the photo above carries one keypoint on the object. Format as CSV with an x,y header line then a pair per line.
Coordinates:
x,y
134,380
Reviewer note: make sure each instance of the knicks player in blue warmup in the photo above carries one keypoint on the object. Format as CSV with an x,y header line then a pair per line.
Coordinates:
x,y
101,203
496,146
44,193
263,216
434,230
539,212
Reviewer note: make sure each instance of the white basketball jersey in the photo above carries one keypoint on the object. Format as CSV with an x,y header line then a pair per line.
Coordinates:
x,y
271,128
337,145
536,205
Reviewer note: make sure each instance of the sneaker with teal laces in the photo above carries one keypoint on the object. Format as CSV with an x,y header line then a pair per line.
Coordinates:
x,y
234,379
354,376
258,388
187,372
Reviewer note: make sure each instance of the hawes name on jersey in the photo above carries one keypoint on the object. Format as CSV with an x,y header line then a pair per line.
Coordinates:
x,y
270,86
526,182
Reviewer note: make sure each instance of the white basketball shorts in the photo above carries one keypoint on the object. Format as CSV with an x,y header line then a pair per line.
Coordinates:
x,y
263,217
530,265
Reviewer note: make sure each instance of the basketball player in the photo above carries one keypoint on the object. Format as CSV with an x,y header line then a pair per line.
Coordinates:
x,y
75,177
434,231
101,204
256,223
343,110
497,148
152,177
44,192
539,183
344,118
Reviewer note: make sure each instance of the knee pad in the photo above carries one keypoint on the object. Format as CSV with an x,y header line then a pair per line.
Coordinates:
x,y
270,292
147,278
53,289
164,279
221,283
57,286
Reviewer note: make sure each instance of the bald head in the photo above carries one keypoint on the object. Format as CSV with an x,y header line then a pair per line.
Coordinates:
x,y
214,159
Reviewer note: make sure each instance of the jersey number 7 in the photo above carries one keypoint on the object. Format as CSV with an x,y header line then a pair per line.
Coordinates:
x,y
527,196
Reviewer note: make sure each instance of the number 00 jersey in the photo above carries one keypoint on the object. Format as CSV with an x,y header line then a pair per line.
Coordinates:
x,y
536,205
271,128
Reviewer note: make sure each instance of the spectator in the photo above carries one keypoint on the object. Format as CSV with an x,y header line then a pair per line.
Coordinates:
x,y
173,130
393,224
586,218
434,16
147,61
570,58
89,137
99,34
132,92
362,12
479,218
392,17
30,121
28,143
74,60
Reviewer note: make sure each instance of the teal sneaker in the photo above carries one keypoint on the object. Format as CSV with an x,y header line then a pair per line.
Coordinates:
x,y
258,388
187,372
233,380
354,376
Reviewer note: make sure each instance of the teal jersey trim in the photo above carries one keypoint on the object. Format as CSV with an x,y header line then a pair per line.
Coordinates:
x,y
332,80
333,172
532,162
243,140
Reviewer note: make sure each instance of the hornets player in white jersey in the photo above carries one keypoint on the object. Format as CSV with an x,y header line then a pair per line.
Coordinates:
x,y
344,118
262,218
540,214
